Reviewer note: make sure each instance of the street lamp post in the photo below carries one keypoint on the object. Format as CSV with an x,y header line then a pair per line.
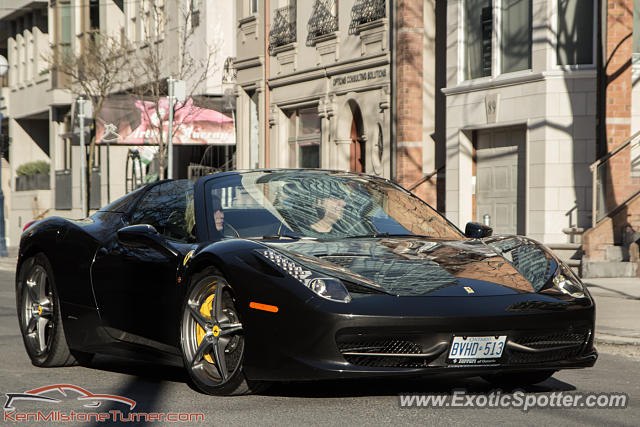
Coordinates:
x,y
4,67
170,81
177,92
84,110
83,160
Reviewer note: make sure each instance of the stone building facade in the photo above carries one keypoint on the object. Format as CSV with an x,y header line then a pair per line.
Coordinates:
x,y
521,114
315,87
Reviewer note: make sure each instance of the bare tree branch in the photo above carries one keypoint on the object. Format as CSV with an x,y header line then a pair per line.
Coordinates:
x,y
94,72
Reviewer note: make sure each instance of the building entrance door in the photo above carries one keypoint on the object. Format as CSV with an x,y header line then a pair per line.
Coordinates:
x,y
357,149
500,179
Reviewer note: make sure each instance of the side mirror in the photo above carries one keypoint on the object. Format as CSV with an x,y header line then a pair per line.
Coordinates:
x,y
144,235
475,230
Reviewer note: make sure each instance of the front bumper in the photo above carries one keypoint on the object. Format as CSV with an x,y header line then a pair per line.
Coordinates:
x,y
313,340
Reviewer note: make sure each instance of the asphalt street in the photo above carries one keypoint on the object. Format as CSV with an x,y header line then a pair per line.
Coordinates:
x,y
165,389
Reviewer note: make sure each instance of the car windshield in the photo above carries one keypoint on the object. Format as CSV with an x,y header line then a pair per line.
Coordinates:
x,y
317,204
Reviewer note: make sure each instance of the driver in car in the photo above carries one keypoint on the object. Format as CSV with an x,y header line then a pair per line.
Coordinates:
x,y
218,213
331,210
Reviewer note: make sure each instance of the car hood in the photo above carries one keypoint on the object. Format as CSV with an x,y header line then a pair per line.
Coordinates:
x,y
413,266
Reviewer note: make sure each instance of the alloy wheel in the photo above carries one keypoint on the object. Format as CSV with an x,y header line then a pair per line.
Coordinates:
x,y
37,310
213,343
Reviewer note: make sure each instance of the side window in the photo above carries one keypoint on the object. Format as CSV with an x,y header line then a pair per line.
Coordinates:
x,y
169,208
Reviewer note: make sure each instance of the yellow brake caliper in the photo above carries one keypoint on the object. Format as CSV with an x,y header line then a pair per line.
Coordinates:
x,y
205,310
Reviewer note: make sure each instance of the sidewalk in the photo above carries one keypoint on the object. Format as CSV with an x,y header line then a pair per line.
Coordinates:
x,y
8,263
617,310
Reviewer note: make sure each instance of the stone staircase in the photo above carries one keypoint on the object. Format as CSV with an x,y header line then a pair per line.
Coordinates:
x,y
613,249
616,264
617,259
570,253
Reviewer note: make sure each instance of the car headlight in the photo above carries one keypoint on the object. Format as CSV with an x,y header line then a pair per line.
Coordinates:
x,y
567,284
326,287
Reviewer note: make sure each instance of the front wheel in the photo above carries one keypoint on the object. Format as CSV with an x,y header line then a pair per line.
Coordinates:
x,y
211,337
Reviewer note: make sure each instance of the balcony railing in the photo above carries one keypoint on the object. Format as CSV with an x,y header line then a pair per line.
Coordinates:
x,y
365,11
283,30
603,177
324,20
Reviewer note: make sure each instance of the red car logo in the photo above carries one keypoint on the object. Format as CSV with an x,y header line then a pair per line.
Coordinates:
x,y
38,394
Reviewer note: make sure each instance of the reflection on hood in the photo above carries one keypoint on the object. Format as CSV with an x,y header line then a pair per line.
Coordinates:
x,y
418,266
528,257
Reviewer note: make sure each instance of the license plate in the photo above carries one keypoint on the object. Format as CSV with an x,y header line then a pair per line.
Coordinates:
x,y
477,347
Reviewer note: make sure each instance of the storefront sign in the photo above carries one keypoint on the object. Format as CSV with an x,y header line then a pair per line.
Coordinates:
x,y
139,122
360,76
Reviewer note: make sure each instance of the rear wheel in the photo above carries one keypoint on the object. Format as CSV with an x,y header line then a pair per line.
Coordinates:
x,y
212,338
518,379
39,314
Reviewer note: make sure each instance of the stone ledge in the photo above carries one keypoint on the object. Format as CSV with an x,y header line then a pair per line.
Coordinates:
x,y
594,269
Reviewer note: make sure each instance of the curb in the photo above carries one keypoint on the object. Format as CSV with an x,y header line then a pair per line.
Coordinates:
x,y
6,265
616,340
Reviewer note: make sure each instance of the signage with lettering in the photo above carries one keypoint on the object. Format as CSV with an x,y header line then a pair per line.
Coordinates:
x,y
360,76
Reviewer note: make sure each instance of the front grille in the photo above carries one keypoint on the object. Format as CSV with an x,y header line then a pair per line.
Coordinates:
x,y
386,362
573,340
391,347
380,346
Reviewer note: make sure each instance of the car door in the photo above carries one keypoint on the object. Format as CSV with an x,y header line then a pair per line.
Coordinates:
x,y
136,287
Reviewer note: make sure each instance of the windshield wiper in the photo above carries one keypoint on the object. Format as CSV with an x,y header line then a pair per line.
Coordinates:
x,y
384,234
364,236
285,236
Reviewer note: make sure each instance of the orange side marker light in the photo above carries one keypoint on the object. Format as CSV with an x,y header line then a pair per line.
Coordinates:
x,y
264,307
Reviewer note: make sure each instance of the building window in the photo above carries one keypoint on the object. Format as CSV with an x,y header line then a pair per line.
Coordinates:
x,y
305,135
195,13
515,48
478,31
147,17
160,19
324,20
253,6
636,32
62,40
65,27
132,24
575,32
254,132
94,15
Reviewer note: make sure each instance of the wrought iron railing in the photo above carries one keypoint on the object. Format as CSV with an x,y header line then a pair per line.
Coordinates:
x,y
365,11
602,177
324,20
283,30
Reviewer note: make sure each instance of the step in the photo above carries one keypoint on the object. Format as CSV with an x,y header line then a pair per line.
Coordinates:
x,y
566,251
593,269
564,246
573,262
616,253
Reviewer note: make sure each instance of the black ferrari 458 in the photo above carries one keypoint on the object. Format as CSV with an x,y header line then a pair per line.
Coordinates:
x,y
251,277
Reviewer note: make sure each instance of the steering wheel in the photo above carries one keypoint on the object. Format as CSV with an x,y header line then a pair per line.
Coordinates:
x,y
226,223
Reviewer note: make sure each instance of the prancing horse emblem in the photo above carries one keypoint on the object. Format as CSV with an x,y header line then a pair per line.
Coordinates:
x,y
469,290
